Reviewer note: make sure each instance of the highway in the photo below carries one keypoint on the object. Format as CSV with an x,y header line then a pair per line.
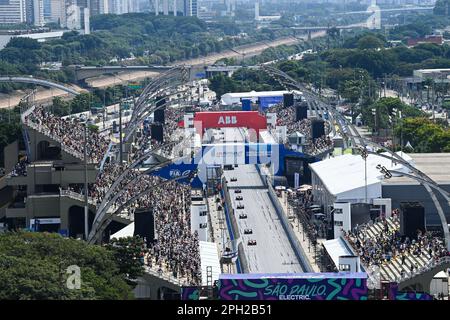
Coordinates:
x,y
13,99
273,252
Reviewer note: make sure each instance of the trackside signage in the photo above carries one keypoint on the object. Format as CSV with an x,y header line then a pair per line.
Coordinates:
x,y
307,286
239,119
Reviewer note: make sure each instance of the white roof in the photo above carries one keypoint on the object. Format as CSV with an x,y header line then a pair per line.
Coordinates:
x,y
128,231
233,97
335,249
42,35
209,256
266,136
255,94
343,176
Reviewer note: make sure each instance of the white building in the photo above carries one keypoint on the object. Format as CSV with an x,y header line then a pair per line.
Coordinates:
x,y
235,97
73,17
12,11
342,179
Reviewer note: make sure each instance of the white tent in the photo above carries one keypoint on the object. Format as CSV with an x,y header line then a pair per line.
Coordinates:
x,y
235,97
209,257
344,176
128,231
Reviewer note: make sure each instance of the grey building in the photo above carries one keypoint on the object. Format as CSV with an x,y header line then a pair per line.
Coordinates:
x,y
403,189
43,198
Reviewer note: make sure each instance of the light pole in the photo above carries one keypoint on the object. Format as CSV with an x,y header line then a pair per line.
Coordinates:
x,y
428,186
364,155
86,208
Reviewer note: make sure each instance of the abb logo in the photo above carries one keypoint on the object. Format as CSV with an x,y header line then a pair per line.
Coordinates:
x,y
228,120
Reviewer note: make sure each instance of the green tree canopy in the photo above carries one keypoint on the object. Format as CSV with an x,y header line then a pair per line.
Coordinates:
x,y
34,266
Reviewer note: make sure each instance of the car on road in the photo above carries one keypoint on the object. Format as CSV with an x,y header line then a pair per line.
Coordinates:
x,y
251,242
233,179
240,206
238,191
248,231
239,198
242,216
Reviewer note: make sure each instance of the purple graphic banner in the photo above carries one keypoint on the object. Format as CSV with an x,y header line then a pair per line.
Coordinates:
x,y
325,286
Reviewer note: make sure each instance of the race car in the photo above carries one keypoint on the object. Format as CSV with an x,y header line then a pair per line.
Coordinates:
x,y
239,198
240,206
242,216
251,242
248,231
233,179
237,191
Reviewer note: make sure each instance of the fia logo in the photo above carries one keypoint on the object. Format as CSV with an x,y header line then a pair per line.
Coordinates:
x,y
175,173
227,120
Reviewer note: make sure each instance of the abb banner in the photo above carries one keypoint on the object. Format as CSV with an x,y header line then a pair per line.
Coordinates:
x,y
238,119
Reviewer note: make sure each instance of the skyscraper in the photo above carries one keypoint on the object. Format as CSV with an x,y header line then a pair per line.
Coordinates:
x,y
57,12
12,11
190,8
35,12
118,6
99,7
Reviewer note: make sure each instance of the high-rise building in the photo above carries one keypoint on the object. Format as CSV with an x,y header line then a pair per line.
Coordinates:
x,y
35,12
190,8
47,9
118,6
12,11
57,12
134,6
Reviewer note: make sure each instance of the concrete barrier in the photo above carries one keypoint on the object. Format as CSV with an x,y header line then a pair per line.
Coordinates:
x,y
301,256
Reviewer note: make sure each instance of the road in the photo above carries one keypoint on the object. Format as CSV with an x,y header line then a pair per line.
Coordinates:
x,y
106,81
273,252
42,95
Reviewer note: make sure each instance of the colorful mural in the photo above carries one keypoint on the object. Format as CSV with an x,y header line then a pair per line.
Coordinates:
x,y
325,286
190,293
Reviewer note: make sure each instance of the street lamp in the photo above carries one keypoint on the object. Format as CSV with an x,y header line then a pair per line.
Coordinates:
x,y
364,155
428,186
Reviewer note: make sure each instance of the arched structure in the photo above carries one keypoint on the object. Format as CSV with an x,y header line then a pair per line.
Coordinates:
x,y
349,131
41,82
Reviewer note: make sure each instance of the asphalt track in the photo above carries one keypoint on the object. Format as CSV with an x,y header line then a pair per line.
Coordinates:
x,y
273,252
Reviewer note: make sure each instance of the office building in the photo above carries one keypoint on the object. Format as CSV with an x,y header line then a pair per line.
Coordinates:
x,y
190,8
12,11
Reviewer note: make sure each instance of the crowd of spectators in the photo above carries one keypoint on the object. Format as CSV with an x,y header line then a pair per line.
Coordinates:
x,y
313,222
391,245
286,117
20,169
176,250
69,132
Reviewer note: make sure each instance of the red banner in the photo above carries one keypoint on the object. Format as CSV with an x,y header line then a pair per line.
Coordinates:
x,y
236,119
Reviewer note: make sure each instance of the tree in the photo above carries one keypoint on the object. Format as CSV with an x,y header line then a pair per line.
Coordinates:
x,y
221,84
128,255
370,42
424,134
33,266
442,8
60,107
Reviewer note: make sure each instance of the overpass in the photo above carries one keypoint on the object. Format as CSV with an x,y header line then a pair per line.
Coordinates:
x,y
424,8
322,28
84,72
41,82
